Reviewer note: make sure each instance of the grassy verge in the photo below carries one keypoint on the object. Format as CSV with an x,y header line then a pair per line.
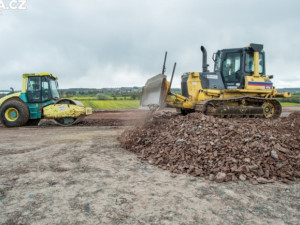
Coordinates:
x,y
289,104
95,98
83,98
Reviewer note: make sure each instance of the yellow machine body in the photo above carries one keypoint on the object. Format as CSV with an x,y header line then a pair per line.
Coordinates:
x,y
197,93
65,110
251,93
5,98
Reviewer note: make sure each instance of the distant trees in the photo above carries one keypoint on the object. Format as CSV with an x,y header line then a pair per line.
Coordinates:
x,y
101,96
135,95
66,94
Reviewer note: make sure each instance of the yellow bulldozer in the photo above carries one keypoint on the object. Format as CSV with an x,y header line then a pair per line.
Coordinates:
x,y
238,87
39,99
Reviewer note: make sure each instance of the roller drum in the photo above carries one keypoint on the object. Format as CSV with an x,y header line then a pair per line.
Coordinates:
x,y
68,121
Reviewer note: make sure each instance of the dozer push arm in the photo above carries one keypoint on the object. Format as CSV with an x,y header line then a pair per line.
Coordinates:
x,y
179,101
282,95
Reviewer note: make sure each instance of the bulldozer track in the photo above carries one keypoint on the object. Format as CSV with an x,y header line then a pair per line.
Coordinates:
x,y
246,107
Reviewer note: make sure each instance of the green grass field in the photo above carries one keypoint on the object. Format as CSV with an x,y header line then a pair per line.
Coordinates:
x,y
289,104
111,104
83,98
80,98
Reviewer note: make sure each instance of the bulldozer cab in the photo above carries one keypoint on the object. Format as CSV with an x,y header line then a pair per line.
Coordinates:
x,y
41,88
235,64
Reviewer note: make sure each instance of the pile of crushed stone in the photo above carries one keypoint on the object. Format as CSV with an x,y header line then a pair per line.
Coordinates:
x,y
257,150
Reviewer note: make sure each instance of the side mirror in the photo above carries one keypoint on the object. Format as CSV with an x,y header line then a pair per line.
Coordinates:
x,y
214,57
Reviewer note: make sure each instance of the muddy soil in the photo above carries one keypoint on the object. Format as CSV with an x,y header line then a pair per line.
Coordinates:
x,y
289,109
116,118
130,117
81,175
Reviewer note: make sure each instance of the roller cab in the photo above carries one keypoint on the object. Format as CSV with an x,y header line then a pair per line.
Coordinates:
x,y
40,99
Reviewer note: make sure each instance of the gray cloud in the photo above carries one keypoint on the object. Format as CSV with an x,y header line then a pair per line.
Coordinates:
x,y
121,43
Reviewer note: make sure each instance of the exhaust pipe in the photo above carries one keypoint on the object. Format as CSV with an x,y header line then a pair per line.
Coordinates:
x,y
164,66
204,59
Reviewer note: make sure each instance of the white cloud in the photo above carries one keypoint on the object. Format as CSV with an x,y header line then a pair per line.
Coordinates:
x,y
114,43
108,76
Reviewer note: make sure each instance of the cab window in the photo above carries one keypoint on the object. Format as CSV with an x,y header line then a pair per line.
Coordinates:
x,y
249,63
53,87
46,93
33,89
231,65
218,62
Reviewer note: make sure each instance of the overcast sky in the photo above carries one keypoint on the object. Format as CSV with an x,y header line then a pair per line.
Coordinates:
x,y
115,43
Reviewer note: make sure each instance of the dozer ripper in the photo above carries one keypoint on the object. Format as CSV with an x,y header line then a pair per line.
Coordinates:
x,y
39,99
238,87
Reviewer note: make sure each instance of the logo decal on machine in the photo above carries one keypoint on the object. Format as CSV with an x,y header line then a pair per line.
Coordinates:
x,y
62,108
261,84
212,77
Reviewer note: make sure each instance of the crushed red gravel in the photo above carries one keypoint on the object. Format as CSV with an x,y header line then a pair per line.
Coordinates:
x,y
257,150
114,118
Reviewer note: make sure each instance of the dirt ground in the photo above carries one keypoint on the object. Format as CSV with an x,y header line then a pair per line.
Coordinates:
x,y
80,175
289,109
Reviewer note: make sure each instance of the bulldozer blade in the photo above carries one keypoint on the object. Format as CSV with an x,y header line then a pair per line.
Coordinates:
x,y
154,92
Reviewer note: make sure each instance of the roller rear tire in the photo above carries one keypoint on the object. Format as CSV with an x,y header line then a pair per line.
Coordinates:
x,y
14,113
